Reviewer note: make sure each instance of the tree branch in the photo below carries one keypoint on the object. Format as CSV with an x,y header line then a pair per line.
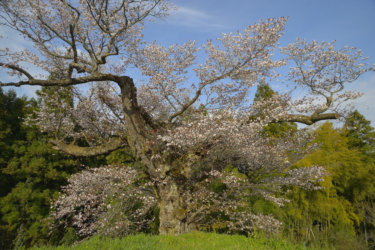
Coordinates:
x,y
204,84
187,105
309,120
111,145
14,67
62,82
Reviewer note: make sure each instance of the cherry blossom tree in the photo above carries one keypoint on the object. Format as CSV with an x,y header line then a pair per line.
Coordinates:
x,y
183,131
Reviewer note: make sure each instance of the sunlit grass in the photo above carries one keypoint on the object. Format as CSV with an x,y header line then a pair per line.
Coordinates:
x,y
193,240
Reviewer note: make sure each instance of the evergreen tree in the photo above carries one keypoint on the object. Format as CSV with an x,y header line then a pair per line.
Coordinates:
x,y
360,133
280,129
31,173
12,111
361,137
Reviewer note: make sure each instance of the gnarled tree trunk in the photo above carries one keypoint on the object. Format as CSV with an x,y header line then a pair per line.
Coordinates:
x,y
170,189
173,208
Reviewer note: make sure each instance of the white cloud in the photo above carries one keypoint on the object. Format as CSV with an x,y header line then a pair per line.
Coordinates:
x,y
194,18
192,13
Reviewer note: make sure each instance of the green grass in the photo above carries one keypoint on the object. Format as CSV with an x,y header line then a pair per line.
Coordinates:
x,y
193,240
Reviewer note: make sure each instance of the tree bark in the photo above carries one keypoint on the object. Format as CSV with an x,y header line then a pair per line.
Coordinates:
x,y
137,127
173,208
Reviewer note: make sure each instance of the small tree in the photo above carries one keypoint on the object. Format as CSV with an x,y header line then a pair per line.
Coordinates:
x,y
179,144
106,200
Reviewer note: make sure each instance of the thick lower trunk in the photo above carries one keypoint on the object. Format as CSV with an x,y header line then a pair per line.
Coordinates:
x,y
172,206
173,209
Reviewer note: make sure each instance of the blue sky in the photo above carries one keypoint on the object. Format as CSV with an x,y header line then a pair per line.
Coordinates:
x,y
346,21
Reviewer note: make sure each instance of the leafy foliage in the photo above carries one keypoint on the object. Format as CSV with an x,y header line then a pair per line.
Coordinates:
x,y
332,214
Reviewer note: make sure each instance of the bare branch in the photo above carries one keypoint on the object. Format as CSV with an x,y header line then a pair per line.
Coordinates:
x,y
309,120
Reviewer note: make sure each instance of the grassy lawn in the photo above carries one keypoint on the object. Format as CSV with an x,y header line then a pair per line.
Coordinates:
x,y
194,240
